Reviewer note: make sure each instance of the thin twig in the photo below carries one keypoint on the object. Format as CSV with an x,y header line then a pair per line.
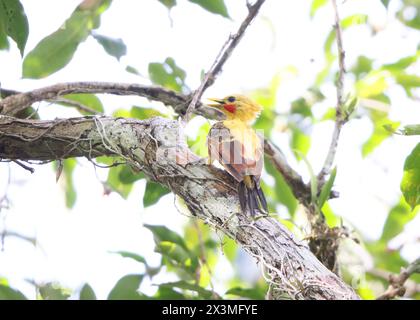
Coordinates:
x,y
340,118
223,56
24,166
6,233
79,106
397,286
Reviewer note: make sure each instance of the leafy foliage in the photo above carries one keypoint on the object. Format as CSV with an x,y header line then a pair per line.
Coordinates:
x,y
154,191
56,50
214,6
191,255
13,23
114,47
87,293
127,288
168,75
7,293
410,184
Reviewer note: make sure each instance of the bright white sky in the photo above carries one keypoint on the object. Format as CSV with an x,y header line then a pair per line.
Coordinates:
x,y
73,245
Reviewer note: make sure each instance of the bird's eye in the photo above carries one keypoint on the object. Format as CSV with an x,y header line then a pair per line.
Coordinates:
x,y
231,99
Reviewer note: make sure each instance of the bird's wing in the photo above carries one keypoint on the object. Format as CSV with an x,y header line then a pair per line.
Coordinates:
x,y
240,157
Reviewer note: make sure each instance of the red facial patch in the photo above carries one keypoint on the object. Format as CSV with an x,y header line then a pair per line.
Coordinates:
x,y
230,107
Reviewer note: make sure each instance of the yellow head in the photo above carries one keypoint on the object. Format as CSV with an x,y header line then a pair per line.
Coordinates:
x,y
237,107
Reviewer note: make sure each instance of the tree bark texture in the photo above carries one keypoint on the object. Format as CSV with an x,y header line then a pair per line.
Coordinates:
x,y
157,147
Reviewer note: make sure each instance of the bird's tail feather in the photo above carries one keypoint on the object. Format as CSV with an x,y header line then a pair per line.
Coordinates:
x,y
252,198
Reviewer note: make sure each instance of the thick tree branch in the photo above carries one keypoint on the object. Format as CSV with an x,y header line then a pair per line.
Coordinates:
x,y
17,101
223,56
156,146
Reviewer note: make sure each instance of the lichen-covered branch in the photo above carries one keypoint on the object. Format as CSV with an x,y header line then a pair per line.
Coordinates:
x,y
157,147
15,102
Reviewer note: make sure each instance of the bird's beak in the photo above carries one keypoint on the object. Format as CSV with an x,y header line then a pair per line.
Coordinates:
x,y
218,103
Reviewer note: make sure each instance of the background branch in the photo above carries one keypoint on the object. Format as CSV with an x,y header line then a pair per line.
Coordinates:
x,y
15,103
157,147
340,117
397,283
223,56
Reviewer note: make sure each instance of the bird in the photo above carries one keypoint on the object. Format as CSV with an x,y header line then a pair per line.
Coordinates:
x,y
237,147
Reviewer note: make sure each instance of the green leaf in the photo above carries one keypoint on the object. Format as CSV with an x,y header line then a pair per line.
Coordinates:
x,y
134,256
115,182
88,100
7,293
70,192
385,3
162,233
385,258
202,293
300,142
330,114
56,50
380,133
52,291
167,293
316,5
177,256
410,130
230,249
266,97
4,42
353,20
281,193
397,218
214,6
410,184
253,293
173,248
154,191
313,178
133,70
373,84
407,81
402,63
144,113
301,106
168,3
414,21
362,66
330,56
199,144
127,175
126,288
326,189
14,22
349,106
87,293
331,218
114,47
167,74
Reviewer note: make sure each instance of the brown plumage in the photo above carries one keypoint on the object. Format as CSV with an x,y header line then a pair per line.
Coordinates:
x,y
239,150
